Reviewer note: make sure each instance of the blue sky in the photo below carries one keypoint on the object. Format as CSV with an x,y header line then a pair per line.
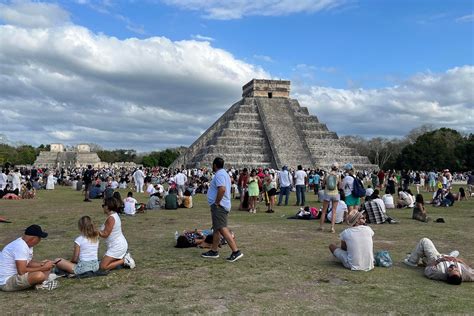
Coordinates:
x,y
408,62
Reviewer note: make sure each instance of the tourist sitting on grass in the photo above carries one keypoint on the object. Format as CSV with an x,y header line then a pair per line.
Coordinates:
x,y
448,199
187,200
130,204
86,246
117,246
18,270
27,191
171,200
461,196
121,206
375,210
341,210
419,211
405,199
438,266
356,250
154,202
95,192
388,201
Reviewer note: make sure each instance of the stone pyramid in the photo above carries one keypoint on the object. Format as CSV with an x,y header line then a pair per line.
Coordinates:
x,y
268,129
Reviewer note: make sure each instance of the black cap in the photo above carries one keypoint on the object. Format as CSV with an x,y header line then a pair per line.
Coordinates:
x,y
35,230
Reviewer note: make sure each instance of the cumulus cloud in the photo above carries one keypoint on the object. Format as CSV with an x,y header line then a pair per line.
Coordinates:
x,y
264,58
466,18
66,83
200,37
444,99
236,9
28,14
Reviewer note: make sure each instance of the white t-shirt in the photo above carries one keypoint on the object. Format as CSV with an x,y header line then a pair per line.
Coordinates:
x,y
388,201
180,179
348,185
360,252
340,210
88,248
300,176
17,250
150,189
369,191
129,205
114,185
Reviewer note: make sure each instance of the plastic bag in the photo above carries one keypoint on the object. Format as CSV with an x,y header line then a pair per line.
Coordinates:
x,y
382,259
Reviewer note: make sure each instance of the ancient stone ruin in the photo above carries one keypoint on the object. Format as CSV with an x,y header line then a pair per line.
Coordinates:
x,y
268,129
59,157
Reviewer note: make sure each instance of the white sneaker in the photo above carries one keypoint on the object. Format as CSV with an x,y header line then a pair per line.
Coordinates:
x,y
409,263
454,253
47,285
52,276
128,261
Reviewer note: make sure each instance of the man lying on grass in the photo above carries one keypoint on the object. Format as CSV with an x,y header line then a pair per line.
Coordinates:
x,y
440,267
17,269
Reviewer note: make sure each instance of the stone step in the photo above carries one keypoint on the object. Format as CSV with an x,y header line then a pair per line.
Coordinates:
x,y
314,126
307,118
242,133
232,149
246,117
237,141
246,125
312,134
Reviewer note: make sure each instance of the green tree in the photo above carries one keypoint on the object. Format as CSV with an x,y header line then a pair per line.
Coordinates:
x,y
432,150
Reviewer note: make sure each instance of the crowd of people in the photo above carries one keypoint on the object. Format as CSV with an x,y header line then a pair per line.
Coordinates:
x,y
341,190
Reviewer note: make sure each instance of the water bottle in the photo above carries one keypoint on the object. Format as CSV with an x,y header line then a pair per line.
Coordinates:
x,y
176,235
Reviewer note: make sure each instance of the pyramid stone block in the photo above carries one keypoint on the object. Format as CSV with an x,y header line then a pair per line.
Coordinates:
x,y
268,129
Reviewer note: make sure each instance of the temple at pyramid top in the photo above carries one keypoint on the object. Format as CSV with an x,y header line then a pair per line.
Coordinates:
x,y
268,129
266,89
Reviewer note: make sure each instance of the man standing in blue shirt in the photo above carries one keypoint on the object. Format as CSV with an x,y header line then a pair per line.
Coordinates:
x,y
218,198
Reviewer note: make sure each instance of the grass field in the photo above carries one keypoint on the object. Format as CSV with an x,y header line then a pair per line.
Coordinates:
x,y
287,267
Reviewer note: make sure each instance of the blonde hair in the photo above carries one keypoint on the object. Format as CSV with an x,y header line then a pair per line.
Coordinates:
x,y
88,229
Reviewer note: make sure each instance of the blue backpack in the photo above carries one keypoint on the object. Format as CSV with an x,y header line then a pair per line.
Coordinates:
x,y
382,259
358,190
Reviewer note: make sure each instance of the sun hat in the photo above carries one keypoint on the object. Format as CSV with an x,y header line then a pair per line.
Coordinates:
x,y
353,217
335,165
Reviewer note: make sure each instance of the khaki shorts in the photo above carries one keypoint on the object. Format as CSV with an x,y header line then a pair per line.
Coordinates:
x,y
16,283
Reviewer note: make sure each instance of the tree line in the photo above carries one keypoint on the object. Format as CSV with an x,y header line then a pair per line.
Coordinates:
x,y
423,148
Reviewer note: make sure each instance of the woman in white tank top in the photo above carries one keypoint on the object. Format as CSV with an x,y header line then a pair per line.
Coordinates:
x,y
117,245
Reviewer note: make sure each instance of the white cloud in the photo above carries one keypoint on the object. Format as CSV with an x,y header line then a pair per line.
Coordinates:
x,y
264,58
29,14
236,9
199,37
68,84
466,18
445,99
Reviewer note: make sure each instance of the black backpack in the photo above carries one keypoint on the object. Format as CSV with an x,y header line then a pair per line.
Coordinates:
x,y
358,190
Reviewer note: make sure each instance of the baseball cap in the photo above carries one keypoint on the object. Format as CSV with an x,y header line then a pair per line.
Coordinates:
x,y
35,230
348,166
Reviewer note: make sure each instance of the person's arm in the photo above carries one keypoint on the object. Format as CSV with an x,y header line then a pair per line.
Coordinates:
x,y
75,254
22,266
343,245
220,195
109,225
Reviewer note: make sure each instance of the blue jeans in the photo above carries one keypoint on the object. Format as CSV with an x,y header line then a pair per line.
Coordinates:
x,y
284,191
300,198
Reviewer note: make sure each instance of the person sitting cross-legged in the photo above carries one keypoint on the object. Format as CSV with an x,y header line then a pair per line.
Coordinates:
x,y
356,251
18,270
440,267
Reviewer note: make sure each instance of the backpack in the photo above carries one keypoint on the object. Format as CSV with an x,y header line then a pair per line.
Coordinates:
x,y
331,184
358,190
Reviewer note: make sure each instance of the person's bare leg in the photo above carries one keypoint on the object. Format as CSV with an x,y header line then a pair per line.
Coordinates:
x,y
333,215
36,277
65,265
216,237
323,214
228,237
109,263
